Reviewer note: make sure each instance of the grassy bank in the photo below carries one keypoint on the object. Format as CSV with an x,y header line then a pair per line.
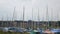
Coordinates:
x,y
1,32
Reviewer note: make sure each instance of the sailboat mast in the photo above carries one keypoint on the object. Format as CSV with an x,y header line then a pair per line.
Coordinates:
x,y
47,17
2,22
38,18
13,14
51,16
13,17
7,20
23,16
57,19
32,20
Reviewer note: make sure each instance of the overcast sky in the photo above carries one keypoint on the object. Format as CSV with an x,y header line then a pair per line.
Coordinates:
x,y
7,8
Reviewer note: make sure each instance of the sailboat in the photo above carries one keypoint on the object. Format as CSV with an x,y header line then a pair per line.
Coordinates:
x,y
57,19
13,18
23,25
40,30
38,21
47,17
34,31
30,27
48,27
57,30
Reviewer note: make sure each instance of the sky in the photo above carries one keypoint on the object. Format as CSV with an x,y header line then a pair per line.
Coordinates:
x,y
7,9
